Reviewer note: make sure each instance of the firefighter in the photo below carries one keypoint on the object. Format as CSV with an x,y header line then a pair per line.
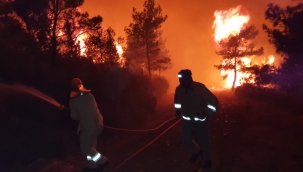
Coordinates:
x,y
195,104
84,108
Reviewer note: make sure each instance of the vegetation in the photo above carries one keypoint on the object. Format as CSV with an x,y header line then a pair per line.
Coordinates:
x,y
145,47
285,33
272,96
44,44
235,48
42,48
283,85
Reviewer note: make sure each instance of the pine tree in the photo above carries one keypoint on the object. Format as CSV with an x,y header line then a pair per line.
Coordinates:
x,y
143,36
236,47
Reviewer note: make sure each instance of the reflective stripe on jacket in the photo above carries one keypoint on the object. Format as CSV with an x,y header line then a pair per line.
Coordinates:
x,y
193,101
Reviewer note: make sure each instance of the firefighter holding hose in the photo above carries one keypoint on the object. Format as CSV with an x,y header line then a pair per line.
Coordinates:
x,y
84,108
195,104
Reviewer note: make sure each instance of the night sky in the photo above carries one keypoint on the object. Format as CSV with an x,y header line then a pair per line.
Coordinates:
x,y
188,30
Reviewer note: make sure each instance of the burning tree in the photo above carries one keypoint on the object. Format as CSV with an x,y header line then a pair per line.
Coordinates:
x,y
237,47
143,36
75,30
44,19
102,47
234,43
60,28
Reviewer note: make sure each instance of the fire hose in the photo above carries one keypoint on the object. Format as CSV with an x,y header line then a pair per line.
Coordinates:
x,y
146,130
143,148
140,150
42,96
153,129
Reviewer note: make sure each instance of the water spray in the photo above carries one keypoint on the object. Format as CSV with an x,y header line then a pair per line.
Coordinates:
x,y
34,92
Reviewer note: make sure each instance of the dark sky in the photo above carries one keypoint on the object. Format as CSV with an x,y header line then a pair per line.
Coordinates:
x,y
188,30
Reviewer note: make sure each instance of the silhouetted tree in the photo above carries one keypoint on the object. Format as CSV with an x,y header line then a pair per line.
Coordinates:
x,y
19,55
102,46
135,55
262,74
286,32
143,34
162,61
78,26
33,14
236,47
69,33
44,19
6,7
286,35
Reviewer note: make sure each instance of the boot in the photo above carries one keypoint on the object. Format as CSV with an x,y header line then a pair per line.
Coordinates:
x,y
101,167
103,162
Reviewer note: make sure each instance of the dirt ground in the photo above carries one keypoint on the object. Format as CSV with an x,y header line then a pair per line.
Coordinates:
x,y
246,135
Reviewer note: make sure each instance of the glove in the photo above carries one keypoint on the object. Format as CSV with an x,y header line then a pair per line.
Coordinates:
x,y
61,107
178,114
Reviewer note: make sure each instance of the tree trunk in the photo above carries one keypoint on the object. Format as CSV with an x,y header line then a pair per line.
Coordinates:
x,y
54,51
54,36
148,59
235,76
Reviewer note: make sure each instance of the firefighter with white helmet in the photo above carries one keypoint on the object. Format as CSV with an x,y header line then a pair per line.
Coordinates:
x,y
195,104
84,108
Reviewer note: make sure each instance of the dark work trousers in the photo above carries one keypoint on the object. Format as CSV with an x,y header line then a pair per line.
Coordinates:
x,y
88,143
200,129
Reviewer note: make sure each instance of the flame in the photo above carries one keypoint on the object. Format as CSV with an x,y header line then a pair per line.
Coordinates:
x,y
80,40
60,33
240,75
269,60
120,53
230,22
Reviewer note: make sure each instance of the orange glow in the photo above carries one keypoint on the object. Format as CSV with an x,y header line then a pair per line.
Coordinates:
x,y
230,22
81,42
269,60
60,33
196,17
240,75
120,53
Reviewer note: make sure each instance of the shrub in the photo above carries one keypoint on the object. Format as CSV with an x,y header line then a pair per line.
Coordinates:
x,y
128,98
161,86
272,96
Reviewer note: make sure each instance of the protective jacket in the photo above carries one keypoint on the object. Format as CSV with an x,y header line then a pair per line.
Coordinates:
x,y
193,102
84,108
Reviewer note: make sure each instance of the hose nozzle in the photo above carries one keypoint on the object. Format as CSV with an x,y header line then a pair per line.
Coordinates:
x,y
62,107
